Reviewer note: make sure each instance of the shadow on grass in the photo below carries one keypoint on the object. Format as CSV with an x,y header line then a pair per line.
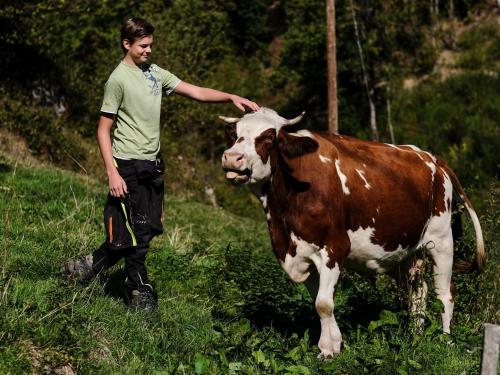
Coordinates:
x,y
114,285
302,319
357,308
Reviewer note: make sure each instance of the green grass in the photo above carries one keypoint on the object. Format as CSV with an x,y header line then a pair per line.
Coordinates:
x,y
225,306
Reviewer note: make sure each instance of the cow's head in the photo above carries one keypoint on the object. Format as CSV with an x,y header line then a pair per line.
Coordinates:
x,y
254,138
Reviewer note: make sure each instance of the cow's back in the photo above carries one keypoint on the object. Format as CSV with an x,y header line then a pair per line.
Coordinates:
x,y
386,194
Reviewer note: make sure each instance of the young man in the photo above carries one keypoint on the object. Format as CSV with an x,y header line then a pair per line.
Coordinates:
x,y
132,215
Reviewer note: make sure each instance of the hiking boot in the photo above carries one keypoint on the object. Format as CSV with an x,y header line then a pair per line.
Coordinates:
x,y
143,300
80,269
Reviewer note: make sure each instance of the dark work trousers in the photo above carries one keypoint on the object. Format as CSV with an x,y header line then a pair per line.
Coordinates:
x,y
131,223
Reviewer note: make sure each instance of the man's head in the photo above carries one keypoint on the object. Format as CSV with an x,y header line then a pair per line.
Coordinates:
x,y
137,39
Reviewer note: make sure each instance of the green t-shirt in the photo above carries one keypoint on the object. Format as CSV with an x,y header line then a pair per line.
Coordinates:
x,y
134,94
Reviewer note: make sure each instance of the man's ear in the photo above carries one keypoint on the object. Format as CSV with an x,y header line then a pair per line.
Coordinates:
x,y
126,44
292,146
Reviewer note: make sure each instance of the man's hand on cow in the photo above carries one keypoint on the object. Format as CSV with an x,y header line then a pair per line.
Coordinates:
x,y
117,186
241,103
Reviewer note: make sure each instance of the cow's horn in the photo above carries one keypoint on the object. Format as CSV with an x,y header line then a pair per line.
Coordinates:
x,y
230,120
294,120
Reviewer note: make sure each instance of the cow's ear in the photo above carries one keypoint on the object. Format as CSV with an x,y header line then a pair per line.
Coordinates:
x,y
231,135
292,146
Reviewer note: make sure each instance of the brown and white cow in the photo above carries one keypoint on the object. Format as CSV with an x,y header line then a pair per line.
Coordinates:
x,y
333,201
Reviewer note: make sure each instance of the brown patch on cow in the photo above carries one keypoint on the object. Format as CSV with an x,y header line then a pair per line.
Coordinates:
x,y
452,292
240,139
264,143
340,247
292,146
300,199
280,239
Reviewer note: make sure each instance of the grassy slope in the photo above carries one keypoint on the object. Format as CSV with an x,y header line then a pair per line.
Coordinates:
x,y
224,304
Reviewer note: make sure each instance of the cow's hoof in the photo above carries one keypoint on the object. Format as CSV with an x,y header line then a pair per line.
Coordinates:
x,y
326,356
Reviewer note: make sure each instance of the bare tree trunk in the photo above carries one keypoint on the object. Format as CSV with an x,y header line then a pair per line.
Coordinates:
x,y
369,92
331,51
389,117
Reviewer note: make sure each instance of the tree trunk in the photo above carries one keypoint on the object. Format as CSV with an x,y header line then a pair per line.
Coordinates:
x,y
369,92
389,116
333,117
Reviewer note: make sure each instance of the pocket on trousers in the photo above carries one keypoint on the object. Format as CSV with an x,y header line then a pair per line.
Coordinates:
x,y
119,234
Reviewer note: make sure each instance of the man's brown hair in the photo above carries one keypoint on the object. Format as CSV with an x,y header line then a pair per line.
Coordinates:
x,y
133,29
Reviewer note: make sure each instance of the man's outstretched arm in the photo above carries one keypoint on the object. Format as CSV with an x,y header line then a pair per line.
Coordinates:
x,y
204,94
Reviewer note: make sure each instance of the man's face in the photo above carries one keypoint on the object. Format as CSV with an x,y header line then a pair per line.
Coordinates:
x,y
140,50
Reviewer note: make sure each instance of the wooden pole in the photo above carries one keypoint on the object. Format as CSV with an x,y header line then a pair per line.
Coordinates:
x,y
331,51
489,360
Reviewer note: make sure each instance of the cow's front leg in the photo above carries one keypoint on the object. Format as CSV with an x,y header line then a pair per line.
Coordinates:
x,y
331,338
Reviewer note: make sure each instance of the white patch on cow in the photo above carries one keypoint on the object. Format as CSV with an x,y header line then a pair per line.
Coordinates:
x,y
393,146
368,257
303,133
362,175
373,220
433,158
414,148
432,166
297,267
263,200
378,210
438,239
343,178
417,150
325,159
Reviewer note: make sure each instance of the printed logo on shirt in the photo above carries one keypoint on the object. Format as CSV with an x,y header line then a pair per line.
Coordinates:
x,y
155,87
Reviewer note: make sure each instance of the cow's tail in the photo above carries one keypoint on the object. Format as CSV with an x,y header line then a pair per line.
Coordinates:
x,y
460,199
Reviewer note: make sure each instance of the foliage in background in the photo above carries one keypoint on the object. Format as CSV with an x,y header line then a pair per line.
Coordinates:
x,y
58,55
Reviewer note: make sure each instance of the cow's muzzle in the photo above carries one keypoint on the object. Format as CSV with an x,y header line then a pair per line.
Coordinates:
x,y
233,164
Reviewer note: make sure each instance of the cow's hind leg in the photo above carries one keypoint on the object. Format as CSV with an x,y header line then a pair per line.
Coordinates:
x,y
440,244
331,338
